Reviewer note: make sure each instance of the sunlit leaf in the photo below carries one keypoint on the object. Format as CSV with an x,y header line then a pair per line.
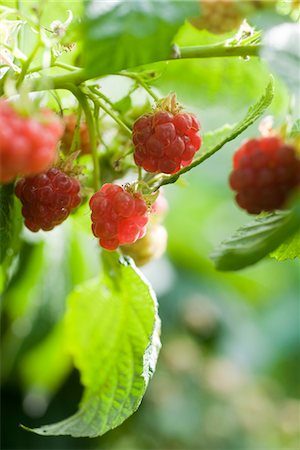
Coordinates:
x,y
289,249
120,34
112,333
256,240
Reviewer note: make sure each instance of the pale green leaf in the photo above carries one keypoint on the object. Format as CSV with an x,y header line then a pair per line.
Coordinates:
x,y
295,131
256,240
289,249
113,335
119,35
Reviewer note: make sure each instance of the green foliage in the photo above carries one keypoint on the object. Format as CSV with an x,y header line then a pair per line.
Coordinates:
x,y
289,249
113,335
295,131
256,240
10,221
111,326
121,35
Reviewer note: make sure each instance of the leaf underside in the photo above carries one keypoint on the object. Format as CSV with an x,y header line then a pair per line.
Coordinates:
x,y
257,239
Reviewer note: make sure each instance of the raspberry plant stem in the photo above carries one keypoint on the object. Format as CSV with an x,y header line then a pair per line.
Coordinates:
x,y
28,61
82,100
79,76
217,50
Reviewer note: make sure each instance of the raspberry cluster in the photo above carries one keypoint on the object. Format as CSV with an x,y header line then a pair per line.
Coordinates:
x,y
27,145
47,198
84,139
165,142
265,171
118,217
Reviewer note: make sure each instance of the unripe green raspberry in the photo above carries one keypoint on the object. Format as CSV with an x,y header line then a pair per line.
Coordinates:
x,y
151,246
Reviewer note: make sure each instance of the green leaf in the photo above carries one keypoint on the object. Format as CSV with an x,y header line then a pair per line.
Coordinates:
x,y
112,331
6,218
295,131
120,35
289,249
212,138
256,240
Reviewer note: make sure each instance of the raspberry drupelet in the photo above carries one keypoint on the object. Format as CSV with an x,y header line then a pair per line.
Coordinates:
x,y
27,144
118,217
165,140
47,198
265,172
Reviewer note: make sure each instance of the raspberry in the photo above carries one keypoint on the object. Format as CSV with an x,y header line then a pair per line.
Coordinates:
x,y
151,246
218,16
84,137
165,141
118,217
47,198
265,171
222,16
27,145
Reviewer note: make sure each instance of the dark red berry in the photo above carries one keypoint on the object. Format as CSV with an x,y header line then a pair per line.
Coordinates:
x,y
265,172
27,144
84,138
47,198
165,142
118,217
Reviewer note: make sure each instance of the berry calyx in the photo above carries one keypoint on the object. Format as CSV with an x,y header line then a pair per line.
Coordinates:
x,y
83,144
265,172
166,139
151,246
47,198
27,144
118,217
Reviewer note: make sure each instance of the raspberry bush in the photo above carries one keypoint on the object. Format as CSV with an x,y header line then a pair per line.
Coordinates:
x,y
88,144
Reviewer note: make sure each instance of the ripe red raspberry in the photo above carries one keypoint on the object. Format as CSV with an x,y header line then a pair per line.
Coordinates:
x,y
27,144
47,198
118,217
165,141
84,137
265,171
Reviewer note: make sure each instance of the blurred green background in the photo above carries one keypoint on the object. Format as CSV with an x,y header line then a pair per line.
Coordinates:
x,y
228,372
